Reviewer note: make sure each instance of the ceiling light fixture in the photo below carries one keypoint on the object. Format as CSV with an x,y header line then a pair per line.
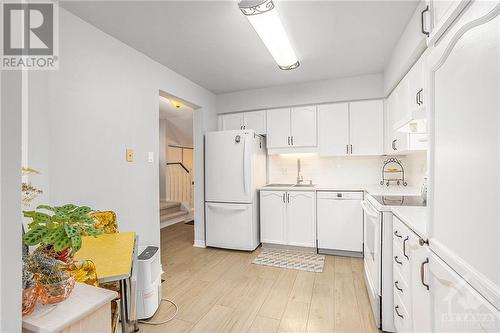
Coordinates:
x,y
176,104
264,18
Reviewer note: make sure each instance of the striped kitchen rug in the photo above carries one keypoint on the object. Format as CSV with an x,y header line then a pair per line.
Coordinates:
x,y
309,262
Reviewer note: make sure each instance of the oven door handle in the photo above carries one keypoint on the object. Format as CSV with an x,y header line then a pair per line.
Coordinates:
x,y
367,210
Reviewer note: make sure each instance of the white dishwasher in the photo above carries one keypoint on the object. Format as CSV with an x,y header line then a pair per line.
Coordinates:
x,y
340,223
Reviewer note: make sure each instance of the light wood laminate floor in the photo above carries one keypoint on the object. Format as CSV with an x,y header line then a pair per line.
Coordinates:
x,y
222,291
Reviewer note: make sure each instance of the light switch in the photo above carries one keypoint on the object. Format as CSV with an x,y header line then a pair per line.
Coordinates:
x,y
151,157
130,155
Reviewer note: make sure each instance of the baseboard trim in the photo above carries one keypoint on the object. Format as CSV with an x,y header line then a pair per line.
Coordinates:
x,y
173,221
199,243
341,253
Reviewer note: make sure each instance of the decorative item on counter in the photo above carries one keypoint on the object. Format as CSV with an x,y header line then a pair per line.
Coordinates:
x,y
59,230
393,172
54,284
29,285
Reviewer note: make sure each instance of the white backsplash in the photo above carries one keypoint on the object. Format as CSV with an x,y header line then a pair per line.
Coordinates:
x,y
343,171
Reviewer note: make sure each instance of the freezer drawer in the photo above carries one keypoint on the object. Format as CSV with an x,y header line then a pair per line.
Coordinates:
x,y
232,226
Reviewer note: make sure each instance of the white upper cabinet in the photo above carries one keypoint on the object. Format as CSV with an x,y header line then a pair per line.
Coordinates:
x,y
255,120
439,15
278,128
292,128
303,126
231,121
366,133
333,128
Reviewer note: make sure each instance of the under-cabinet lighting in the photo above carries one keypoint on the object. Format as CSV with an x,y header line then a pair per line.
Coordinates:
x,y
265,19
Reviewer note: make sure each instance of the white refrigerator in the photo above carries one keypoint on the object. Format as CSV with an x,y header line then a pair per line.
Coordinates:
x,y
235,166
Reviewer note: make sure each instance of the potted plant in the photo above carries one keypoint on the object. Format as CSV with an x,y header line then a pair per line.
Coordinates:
x,y
29,285
53,283
58,230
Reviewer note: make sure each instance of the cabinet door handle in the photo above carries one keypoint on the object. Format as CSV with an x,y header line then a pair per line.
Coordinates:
x,y
351,149
288,197
425,32
347,149
396,308
397,235
398,261
283,197
420,96
292,140
422,273
404,247
396,284
288,140
394,144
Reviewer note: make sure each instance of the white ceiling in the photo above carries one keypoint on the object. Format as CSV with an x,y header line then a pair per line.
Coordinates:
x,y
214,45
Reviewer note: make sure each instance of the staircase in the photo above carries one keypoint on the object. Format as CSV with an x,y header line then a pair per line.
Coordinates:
x,y
172,212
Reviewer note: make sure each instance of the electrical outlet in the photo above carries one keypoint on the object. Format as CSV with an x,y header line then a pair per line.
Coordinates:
x,y
130,155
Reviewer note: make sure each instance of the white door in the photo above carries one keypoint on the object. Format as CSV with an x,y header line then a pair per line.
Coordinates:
x,y
333,129
304,126
420,294
464,226
228,166
278,128
455,305
272,217
340,221
301,219
366,121
230,226
232,121
255,120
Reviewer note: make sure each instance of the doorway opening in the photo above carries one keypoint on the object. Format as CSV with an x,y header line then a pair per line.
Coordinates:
x,y
176,158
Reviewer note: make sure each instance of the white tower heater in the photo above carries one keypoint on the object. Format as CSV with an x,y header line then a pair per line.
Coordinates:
x,y
149,273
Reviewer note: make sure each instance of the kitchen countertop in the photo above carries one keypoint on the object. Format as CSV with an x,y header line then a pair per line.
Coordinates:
x,y
372,189
83,301
414,217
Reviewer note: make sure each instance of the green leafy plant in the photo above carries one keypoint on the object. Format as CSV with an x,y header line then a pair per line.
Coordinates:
x,y
59,227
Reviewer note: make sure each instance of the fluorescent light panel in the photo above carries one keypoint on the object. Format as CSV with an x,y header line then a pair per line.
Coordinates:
x,y
265,19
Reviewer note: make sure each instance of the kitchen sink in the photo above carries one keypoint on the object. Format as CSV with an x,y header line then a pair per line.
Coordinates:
x,y
304,185
279,185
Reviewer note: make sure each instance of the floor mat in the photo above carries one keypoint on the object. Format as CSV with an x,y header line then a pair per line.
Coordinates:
x,y
309,262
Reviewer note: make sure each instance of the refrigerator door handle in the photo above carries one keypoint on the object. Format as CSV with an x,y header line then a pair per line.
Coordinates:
x,y
245,168
228,208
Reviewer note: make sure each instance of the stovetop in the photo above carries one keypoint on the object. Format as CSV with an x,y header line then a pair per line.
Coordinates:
x,y
393,200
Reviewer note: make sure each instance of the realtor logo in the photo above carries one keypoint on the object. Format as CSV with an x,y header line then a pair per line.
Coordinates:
x,y
29,35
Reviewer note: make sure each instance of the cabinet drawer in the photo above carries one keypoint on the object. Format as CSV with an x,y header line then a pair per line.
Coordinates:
x,y
400,262
401,288
402,319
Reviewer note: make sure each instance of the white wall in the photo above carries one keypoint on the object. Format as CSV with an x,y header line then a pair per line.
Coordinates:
x,y
343,171
102,100
409,48
316,92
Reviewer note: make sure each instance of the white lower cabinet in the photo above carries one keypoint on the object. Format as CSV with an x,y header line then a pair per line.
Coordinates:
x,y
455,305
272,217
411,293
340,222
288,218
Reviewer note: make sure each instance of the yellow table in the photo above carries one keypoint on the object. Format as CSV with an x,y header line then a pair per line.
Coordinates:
x,y
112,254
114,258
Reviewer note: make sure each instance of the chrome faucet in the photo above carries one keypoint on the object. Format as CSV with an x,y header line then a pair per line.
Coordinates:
x,y
300,178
